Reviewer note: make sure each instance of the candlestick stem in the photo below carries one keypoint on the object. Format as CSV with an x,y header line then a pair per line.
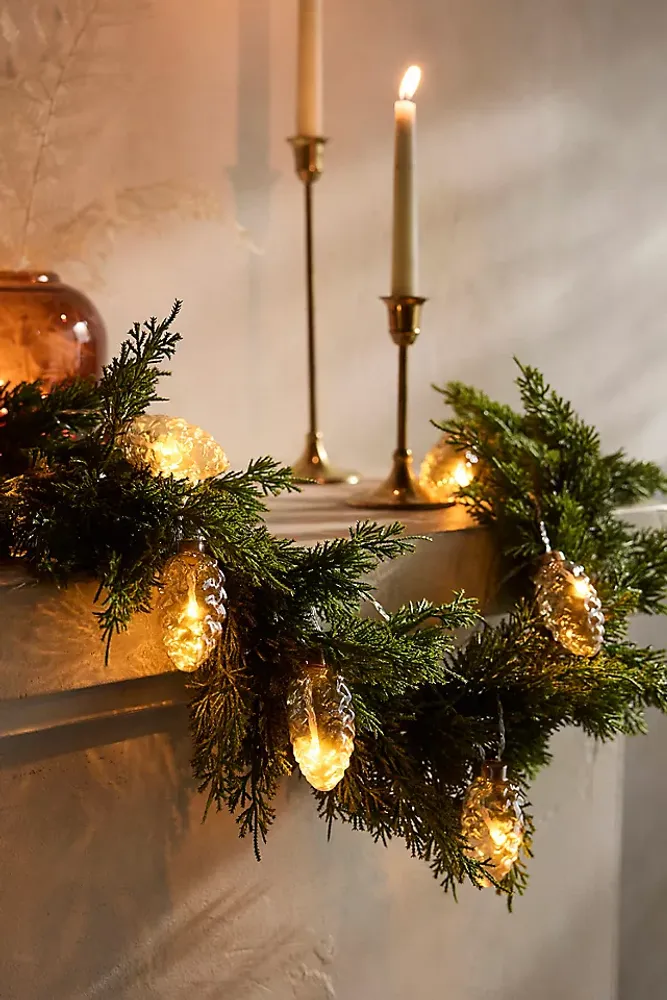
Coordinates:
x,y
314,462
402,422
400,489
310,310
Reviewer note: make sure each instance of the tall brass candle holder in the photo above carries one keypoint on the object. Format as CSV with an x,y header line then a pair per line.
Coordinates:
x,y
401,489
314,462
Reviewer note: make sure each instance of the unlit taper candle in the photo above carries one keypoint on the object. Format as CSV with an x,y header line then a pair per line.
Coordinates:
x,y
404,270
309,78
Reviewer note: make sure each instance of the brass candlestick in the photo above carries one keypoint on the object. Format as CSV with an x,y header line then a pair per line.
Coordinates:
x,y
401,488
314,462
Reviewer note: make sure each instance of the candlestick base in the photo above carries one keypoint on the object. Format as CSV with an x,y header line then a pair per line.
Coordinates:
x,y
314,465
399,490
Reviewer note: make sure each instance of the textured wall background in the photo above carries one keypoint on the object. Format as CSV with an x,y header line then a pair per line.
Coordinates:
x,y
643,964
156,134
112,889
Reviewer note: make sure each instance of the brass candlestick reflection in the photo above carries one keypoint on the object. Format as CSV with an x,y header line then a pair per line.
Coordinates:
x,y
314,462
401,488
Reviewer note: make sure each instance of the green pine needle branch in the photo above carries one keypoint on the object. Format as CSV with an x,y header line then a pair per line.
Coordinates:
x,y
427,707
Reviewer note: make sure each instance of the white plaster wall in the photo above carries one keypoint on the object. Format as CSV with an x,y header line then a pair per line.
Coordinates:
x,y
543,166
111,888
643,962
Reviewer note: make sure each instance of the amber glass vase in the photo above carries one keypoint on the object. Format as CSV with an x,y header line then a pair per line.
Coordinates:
x,y
48,330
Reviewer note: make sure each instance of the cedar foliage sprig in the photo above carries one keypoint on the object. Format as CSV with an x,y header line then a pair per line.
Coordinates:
x,y
129,383
545,464
72,505
426,709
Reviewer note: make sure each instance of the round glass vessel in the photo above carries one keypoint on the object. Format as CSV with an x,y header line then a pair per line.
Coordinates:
x,y
48,330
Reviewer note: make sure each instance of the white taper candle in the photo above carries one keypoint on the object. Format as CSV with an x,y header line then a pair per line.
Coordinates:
x,y
404,271
309,79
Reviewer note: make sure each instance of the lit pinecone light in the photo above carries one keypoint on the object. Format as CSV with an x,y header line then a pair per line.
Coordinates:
x,y
321,724
492,821
191,606
569,604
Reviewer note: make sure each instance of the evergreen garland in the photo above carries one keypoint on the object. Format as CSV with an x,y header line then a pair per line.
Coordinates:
x,y
427,710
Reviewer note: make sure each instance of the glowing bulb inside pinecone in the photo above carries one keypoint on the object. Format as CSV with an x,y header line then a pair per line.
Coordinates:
x,y
191,606
581,587
193,609
168,456
569,604
492,821
170,446
463,473
321,725
445,470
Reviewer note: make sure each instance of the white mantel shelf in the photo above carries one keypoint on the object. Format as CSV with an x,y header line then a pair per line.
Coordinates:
x,y
52,676
320,512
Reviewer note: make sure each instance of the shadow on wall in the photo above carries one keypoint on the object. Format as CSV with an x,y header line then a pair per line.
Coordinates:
x,y
114,889
87,837
89,845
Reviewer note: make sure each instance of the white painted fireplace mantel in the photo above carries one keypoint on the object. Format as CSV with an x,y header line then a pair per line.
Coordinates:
x,y
111,886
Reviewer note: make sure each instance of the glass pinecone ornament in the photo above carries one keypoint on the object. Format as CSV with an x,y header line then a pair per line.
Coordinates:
x,y
170,446
569,604
445,470
191,606
492,820
321,724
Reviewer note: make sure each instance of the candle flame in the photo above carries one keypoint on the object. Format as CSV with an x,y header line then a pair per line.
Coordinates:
x,y
409,83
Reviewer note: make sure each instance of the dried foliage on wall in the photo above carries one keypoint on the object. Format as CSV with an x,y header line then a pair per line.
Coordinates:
x,y
66,80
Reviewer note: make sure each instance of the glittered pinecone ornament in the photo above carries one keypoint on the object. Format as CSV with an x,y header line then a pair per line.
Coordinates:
x,y
569,604
321,724
445,470
492,820
191,606
170,446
